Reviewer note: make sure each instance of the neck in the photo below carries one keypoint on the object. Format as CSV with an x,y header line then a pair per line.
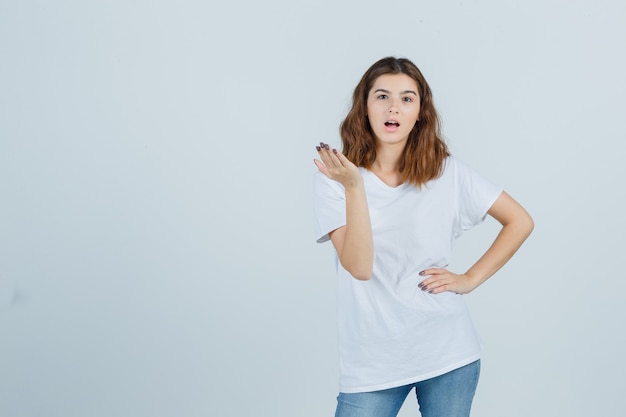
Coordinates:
x,y
388,159
387,165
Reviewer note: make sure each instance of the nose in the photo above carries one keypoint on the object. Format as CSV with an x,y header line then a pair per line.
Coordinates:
x,y
393,108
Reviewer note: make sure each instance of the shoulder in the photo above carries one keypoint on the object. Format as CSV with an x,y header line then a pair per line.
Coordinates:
x,y
452,162
457,167
448,169
458,174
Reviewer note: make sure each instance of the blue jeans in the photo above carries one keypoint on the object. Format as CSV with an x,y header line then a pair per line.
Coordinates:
x,y
447,395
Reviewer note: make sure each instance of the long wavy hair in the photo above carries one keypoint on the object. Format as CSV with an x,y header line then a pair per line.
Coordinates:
x,y
425,151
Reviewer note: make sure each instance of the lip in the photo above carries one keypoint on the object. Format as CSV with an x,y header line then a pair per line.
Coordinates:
x,y
391,128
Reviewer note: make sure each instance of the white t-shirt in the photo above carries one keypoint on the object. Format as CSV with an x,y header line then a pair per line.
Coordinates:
x,y
391,333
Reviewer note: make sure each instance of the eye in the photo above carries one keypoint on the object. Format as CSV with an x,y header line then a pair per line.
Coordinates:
x,y
408,99
382,97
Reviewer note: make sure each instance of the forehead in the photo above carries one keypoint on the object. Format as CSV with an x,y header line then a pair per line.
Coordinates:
x,y
395,83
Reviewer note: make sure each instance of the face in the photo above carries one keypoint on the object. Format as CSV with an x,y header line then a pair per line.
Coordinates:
x,y
393,106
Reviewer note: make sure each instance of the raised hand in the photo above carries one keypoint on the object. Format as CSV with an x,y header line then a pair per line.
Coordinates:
x,y
353,241
336,166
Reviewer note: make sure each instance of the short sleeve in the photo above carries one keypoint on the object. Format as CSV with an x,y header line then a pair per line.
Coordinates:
x,y
475,195
329,204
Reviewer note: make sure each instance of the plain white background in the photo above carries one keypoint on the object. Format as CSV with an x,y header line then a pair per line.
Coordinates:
x,y
157,255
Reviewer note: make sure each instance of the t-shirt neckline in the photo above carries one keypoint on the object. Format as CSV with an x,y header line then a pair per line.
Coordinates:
x,y
383,183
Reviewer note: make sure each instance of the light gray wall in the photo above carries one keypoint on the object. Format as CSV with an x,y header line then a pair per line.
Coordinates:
x,y
156,242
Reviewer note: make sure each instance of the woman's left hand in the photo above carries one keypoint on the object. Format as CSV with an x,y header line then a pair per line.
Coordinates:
x,y
440,280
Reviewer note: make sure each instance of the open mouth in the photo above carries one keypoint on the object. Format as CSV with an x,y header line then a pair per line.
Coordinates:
x,y
392,123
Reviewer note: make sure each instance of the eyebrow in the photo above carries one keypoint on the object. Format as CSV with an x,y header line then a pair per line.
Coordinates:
x,y
382,90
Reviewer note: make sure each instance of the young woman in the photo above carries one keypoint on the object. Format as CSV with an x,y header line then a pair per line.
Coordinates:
x,y
392,203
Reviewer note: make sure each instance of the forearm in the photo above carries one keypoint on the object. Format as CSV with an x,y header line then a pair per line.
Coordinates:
x,y
356,252
503,248
353,242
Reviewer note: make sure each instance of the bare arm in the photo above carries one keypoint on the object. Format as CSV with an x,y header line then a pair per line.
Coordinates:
x,y
353,242
516,227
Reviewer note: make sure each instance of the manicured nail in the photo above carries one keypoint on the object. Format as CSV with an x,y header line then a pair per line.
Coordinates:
x,y
322,144
421,284
327,146
318,148
422,273
430,292
334,151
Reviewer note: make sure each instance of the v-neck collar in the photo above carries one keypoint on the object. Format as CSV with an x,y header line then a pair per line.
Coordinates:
x,y
382,183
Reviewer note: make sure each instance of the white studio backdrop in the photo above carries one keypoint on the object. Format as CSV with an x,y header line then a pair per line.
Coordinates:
x,y
157,256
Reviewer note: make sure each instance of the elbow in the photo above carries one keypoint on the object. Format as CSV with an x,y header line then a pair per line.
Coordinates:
x,y
525,226
362,275
360,272
529,225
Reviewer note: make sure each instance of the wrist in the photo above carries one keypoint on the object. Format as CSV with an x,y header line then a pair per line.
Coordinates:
x,y
473,280
354,185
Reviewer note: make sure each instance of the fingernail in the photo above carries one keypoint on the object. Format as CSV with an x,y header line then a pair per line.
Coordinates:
x,y
421,284
334,151
422,273
318,148
430,292
322,144
425,289
327,146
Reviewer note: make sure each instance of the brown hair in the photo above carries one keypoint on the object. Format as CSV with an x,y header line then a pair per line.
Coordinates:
x,y
425,151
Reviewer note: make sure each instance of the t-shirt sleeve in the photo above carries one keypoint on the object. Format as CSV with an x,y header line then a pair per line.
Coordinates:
x,y
475,194
329,204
